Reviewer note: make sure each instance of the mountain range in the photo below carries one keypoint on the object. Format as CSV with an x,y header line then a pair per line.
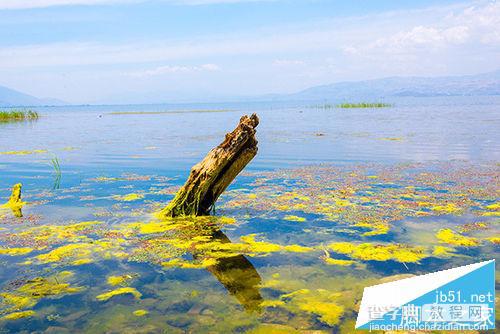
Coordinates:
x,y
466,85
13,98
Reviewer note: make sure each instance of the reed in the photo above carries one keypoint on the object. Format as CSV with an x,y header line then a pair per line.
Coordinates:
x,y
57,172
18,115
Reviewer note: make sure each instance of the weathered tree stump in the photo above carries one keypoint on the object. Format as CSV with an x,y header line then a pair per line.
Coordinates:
x,y
210,177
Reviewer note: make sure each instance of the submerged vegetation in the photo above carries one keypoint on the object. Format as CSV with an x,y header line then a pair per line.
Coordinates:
x,y
18,115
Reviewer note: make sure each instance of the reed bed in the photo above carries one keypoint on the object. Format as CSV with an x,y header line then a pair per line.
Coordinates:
x,y
18,115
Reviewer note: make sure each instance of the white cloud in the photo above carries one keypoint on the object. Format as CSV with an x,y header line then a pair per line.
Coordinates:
x,y
472,25
168,69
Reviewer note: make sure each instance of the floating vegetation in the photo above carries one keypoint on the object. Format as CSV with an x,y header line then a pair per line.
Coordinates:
x,y
293,252
18,115
128,197
26,152
140,313
120,280
18,315
448,236
379,252
119,291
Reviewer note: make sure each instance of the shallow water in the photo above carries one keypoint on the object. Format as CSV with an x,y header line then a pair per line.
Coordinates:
x,y
336,200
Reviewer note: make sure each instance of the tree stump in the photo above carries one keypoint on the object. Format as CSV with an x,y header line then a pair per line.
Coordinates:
x,y
210,177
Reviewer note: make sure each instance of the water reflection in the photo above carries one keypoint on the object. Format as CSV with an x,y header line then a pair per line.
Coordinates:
x,y
238,276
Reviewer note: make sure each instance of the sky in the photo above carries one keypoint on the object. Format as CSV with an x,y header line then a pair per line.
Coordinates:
x,y
140,51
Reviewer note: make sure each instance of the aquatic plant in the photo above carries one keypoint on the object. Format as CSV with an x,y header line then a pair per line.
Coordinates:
x,y
379,252
119,291
453,238
18,315
18,115
128,197
25,152
57,172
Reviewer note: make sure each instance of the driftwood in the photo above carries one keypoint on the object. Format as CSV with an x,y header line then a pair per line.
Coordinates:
x,y
209,178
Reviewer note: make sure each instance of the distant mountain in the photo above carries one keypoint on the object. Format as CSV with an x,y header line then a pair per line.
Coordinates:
x,y
468,85
13,98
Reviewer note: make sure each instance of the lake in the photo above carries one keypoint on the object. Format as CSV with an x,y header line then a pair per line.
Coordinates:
x,y
335,200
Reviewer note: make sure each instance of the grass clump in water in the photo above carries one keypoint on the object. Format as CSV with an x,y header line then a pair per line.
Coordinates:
x,y
18,115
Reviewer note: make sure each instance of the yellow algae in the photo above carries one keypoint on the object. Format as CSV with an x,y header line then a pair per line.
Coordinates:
x,y
379,252
441,251
294,218
297,249
119,280
328,313
272,303
190,265
67,233
495,206
448,236
119,291
63,253
342,202
392,138
129,197
26,152
337,262
495,240
18,315
154,227
491,214
343,247
28,294
226,220
80,262
295,293
17,301
447,208
260,246
15,251
42,287
140,313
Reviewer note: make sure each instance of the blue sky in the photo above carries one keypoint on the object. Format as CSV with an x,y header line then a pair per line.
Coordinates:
x,y
126,51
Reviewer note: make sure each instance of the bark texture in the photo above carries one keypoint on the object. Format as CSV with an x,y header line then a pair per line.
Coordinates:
x,y
210,177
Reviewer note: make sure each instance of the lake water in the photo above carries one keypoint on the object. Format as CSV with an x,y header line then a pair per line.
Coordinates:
x,y
335,200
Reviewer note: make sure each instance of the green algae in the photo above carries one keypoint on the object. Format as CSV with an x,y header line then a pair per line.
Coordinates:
x,y
296,285
120,291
